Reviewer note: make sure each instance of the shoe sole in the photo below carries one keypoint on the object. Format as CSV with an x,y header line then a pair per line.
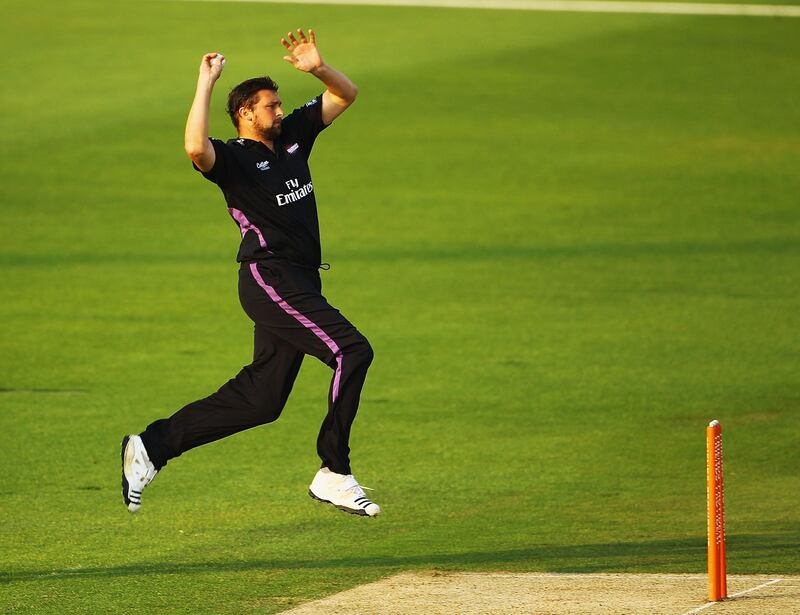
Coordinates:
x,y
125,485
352,511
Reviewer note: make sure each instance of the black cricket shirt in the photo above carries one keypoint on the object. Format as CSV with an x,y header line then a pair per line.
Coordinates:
x,y
269,194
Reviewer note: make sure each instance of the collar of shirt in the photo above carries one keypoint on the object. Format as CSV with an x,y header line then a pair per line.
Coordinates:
x,y
251,144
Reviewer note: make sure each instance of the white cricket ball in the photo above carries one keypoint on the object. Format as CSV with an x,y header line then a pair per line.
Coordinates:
x,y
216,60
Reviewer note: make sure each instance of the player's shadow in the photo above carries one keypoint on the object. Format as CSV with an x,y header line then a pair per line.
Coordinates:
x,y
645,556
454,252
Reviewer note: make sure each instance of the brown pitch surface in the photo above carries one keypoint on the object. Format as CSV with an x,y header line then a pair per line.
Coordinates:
x,y
507,593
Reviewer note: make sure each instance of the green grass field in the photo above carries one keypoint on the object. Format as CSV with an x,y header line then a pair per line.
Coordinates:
x,y
572,239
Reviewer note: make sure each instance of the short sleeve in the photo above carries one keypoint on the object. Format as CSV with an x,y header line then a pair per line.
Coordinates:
x,y
305,123
221,172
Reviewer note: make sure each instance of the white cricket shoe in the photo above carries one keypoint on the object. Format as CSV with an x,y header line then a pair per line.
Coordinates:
x,y
137,471
343,491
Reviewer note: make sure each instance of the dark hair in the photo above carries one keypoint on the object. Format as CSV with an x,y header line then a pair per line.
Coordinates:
x,y
246,94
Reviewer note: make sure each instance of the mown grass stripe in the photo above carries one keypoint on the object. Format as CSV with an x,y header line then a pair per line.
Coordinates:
x,y
577,6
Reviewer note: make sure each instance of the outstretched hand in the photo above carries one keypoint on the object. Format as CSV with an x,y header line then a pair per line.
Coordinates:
x,y
304,53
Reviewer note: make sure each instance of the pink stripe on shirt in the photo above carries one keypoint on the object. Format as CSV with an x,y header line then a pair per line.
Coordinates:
x,y
245,225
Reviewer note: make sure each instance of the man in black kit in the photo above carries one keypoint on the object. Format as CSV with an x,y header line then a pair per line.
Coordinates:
x,y
266,182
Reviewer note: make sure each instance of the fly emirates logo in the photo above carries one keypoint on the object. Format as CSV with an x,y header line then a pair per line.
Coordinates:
x,y
296,192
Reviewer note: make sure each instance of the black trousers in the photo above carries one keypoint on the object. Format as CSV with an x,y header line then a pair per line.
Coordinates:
x,y
292,319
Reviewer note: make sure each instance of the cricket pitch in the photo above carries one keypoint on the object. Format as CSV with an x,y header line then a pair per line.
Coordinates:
x,y
506,593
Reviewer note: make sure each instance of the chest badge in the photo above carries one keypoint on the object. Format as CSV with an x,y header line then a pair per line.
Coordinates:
x,y
263,166
293,148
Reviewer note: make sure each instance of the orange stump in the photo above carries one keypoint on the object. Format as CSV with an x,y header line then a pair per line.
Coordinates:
x,y
717,583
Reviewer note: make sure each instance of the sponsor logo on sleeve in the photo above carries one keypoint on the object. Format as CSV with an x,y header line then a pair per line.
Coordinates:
x,y
311,102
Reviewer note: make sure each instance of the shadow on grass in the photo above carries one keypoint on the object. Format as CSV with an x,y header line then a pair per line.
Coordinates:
x,y
682,555
779,245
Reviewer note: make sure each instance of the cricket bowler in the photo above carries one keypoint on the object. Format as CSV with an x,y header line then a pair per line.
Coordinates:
x,y
266,182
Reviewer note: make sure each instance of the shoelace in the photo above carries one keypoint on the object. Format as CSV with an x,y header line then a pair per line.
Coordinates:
x,y
352,485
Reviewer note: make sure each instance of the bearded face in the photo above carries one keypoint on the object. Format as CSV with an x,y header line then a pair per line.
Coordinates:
x,y
265,115
269,132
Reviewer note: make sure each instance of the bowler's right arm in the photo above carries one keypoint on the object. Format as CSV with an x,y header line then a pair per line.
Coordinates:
x,y
196,143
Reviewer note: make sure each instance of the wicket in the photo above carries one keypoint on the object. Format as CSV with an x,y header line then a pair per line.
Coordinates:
x,y
717,580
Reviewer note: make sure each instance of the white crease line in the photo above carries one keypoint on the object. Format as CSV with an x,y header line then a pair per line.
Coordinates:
x,y
579,6
700,608
736,595
747,591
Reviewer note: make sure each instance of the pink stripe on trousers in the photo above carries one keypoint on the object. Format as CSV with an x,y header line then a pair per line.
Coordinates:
x,y
334,348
